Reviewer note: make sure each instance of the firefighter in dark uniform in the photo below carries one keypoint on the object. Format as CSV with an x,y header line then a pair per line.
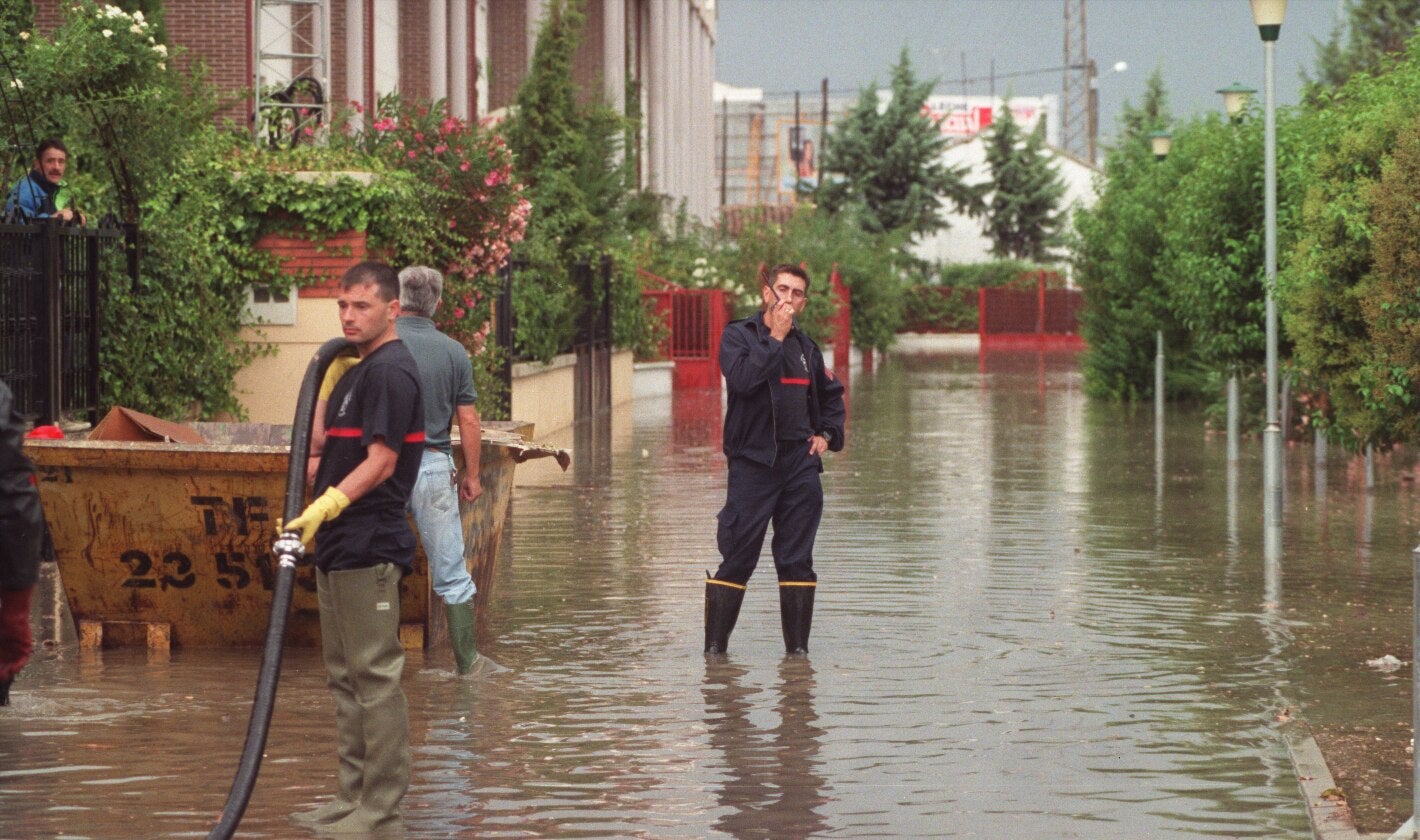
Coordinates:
x,y
22,527
785,409
369,449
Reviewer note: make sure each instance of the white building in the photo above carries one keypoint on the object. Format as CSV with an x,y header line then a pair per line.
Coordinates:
x,y
965,241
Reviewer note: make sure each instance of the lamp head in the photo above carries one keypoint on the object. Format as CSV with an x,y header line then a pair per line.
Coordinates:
x,y
1160,142
1235,98
1268,15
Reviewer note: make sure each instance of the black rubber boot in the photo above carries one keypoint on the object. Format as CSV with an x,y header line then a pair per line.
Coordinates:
x,y
796,614
5,692
722,610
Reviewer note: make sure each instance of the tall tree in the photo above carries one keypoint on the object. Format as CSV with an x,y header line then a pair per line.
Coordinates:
x,y
1117,250
1152,113
1374,32
886,166
1023,215
569,157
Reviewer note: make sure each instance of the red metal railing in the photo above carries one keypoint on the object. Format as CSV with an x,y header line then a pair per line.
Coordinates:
x,y
695,318
1029,317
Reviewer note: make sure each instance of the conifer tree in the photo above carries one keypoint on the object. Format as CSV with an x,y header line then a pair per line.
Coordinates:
x,y
887,167
1152,113
1374,30
569,157
1023,214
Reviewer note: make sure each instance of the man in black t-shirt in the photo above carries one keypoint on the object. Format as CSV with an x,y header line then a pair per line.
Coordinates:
x,y
369,448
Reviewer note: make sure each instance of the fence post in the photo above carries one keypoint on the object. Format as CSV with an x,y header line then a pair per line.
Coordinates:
x,y
981,314
51,274
604,340
843,336
92,331
503,328
1040,304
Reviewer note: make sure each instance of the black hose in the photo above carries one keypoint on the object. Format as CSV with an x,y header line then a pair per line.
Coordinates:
x,y
288,551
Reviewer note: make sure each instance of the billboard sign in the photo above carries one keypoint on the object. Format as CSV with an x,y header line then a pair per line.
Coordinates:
x,y
963,117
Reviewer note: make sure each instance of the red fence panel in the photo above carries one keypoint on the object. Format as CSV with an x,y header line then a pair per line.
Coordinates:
x,y
1030,317
694,319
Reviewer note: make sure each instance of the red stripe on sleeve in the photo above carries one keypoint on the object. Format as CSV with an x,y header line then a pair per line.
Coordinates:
x,y
787,381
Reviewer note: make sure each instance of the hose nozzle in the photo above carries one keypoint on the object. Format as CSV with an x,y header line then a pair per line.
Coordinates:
x,y
288,548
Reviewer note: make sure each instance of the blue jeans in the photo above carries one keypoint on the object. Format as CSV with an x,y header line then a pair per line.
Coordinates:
x,y
435,503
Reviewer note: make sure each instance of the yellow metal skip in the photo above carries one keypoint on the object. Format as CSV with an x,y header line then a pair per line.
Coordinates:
x,y
180,535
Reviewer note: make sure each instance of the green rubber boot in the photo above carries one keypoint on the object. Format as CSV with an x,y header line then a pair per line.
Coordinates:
x,y
461,635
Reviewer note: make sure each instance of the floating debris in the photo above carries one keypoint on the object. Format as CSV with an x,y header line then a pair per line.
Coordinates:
x,y
1385,663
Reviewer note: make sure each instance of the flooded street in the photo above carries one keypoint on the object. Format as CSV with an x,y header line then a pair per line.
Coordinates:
x,y
1024,628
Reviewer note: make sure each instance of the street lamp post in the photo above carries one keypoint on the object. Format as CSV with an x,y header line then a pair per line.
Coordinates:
x,y
1236,97
1160,143
1268,15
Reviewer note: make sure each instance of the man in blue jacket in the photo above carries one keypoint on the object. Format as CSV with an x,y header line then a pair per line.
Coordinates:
x,y
785,409
42,194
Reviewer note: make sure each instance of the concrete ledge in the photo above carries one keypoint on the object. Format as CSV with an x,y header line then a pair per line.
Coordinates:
x,y
652,379
1331,817
936,343
526,369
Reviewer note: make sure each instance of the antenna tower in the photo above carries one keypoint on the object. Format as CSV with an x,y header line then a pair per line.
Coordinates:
x,y
1079,120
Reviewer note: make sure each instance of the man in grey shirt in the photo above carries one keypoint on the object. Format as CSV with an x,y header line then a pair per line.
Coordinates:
x,y
446,382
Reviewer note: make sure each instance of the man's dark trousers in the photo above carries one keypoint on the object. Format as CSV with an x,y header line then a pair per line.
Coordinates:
x,y
789,495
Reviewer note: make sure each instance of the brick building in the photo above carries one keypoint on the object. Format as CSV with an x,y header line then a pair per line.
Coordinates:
x,y
474,53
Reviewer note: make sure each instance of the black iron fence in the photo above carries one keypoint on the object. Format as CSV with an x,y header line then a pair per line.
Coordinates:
x,y
50,277
591,343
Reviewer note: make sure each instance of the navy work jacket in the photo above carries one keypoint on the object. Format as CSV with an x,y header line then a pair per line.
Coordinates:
x,y
750,358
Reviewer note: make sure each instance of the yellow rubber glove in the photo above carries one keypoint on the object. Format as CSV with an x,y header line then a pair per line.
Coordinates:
x,y
324,509
339,366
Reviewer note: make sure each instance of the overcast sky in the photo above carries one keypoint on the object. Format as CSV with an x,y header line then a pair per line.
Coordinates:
x,y
1198,45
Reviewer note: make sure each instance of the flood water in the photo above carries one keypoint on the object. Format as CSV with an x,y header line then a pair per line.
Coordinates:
x,y
1025,628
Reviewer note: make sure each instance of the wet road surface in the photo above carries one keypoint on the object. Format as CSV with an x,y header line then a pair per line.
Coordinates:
x,y
1023,629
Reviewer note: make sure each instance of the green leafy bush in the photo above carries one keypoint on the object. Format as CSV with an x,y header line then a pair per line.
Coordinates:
x,y
990,275
940,309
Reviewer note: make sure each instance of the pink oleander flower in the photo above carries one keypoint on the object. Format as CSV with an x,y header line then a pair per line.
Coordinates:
x,y
493,179
463,167
386,124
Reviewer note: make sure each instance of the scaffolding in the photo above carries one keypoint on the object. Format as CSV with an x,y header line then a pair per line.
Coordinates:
x,y
291,70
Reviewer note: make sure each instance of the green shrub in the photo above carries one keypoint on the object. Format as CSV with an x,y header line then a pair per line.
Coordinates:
x,y
989,275
940,309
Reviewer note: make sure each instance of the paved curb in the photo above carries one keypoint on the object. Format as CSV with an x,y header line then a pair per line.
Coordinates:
x,y
1331,819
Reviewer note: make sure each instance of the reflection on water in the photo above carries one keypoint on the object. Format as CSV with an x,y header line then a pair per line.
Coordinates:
x,y
771,786
1036,617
